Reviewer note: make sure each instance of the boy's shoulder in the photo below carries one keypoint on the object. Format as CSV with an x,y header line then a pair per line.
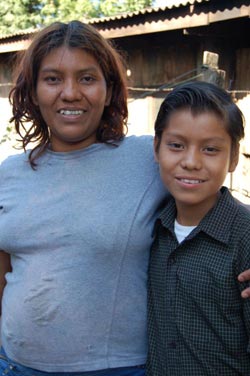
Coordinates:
x,y
243,213
230,209
244,206
240,225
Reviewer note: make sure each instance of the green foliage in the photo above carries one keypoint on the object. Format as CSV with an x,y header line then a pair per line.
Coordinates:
x,y
66,10
112,7
7,135
18,15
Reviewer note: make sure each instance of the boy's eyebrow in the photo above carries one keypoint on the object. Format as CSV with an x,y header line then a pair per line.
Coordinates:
x,y
209,139
215,139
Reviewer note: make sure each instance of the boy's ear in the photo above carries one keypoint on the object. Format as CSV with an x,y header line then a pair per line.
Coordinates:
x,y
234,158
156,148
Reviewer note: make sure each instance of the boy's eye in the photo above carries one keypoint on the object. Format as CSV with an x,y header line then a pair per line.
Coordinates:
x,y
175,145
211,149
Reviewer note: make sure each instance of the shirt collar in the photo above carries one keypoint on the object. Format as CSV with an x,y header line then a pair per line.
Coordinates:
x,y
223,213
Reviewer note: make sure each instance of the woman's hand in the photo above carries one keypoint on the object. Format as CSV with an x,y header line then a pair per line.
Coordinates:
x,y
245,277
5,267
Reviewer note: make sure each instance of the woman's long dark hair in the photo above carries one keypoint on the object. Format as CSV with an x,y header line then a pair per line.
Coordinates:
x,y
28,121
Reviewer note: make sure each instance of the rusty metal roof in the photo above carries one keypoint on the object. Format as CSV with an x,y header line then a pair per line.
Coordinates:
x,y
169,5
176,14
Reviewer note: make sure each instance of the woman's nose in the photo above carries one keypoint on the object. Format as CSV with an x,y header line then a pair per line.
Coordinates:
x,y
71,91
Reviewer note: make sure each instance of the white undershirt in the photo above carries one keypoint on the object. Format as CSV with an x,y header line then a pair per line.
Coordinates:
x,y
181,231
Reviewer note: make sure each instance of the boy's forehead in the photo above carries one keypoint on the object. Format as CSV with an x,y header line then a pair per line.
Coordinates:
x,y
203,125
187,112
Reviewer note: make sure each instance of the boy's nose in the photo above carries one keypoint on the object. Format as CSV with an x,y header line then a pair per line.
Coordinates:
x,y
192,160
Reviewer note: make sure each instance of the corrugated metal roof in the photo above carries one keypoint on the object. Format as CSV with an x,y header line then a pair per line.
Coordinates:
x,y
169,5
22,33
150,20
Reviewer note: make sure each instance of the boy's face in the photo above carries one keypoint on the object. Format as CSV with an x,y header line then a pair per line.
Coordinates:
x,y
195,155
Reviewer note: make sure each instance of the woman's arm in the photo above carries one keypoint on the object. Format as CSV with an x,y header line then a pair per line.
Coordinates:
x,y
5,267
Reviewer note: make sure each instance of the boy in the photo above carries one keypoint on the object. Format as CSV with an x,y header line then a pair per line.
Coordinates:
x,y
198,323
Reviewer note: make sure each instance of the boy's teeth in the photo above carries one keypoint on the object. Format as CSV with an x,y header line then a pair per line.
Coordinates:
x,y
71,112
188,181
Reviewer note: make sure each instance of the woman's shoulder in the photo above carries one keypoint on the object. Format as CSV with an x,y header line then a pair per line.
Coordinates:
x,y
139,143
142,139
14,160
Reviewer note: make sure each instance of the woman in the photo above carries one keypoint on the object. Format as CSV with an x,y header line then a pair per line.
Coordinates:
x,y
76,214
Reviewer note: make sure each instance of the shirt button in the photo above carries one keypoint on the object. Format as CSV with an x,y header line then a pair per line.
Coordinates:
x,y
172,345
172,260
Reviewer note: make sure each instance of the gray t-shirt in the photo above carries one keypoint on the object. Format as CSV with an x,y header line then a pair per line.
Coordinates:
x,y
79,230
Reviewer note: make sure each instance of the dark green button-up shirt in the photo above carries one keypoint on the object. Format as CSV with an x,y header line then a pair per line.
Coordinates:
x,y
198,323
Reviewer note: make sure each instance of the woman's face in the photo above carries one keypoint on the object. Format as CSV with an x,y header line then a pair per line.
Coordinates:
x,y
71,94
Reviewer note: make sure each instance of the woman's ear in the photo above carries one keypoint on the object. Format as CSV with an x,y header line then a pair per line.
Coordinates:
x,y
34,98
234,157
156,148
109,95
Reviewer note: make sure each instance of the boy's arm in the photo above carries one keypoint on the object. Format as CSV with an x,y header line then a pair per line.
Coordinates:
x,y
5,267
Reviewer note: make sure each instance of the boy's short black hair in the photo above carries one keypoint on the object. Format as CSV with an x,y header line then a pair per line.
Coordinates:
x,y
199,97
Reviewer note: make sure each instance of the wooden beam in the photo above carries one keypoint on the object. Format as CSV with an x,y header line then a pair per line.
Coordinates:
x,y
156,26
243,11
186,22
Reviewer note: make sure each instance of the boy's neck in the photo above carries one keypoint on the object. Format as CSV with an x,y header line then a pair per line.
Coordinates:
x,y
192,214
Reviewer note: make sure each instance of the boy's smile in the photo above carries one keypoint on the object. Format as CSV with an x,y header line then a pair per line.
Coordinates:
x,y
194,156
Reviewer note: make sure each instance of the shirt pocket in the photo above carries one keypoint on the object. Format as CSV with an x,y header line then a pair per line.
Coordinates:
x,y
211,318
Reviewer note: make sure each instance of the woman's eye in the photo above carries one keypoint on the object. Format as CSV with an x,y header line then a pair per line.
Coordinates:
x,y
87,79
52,79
